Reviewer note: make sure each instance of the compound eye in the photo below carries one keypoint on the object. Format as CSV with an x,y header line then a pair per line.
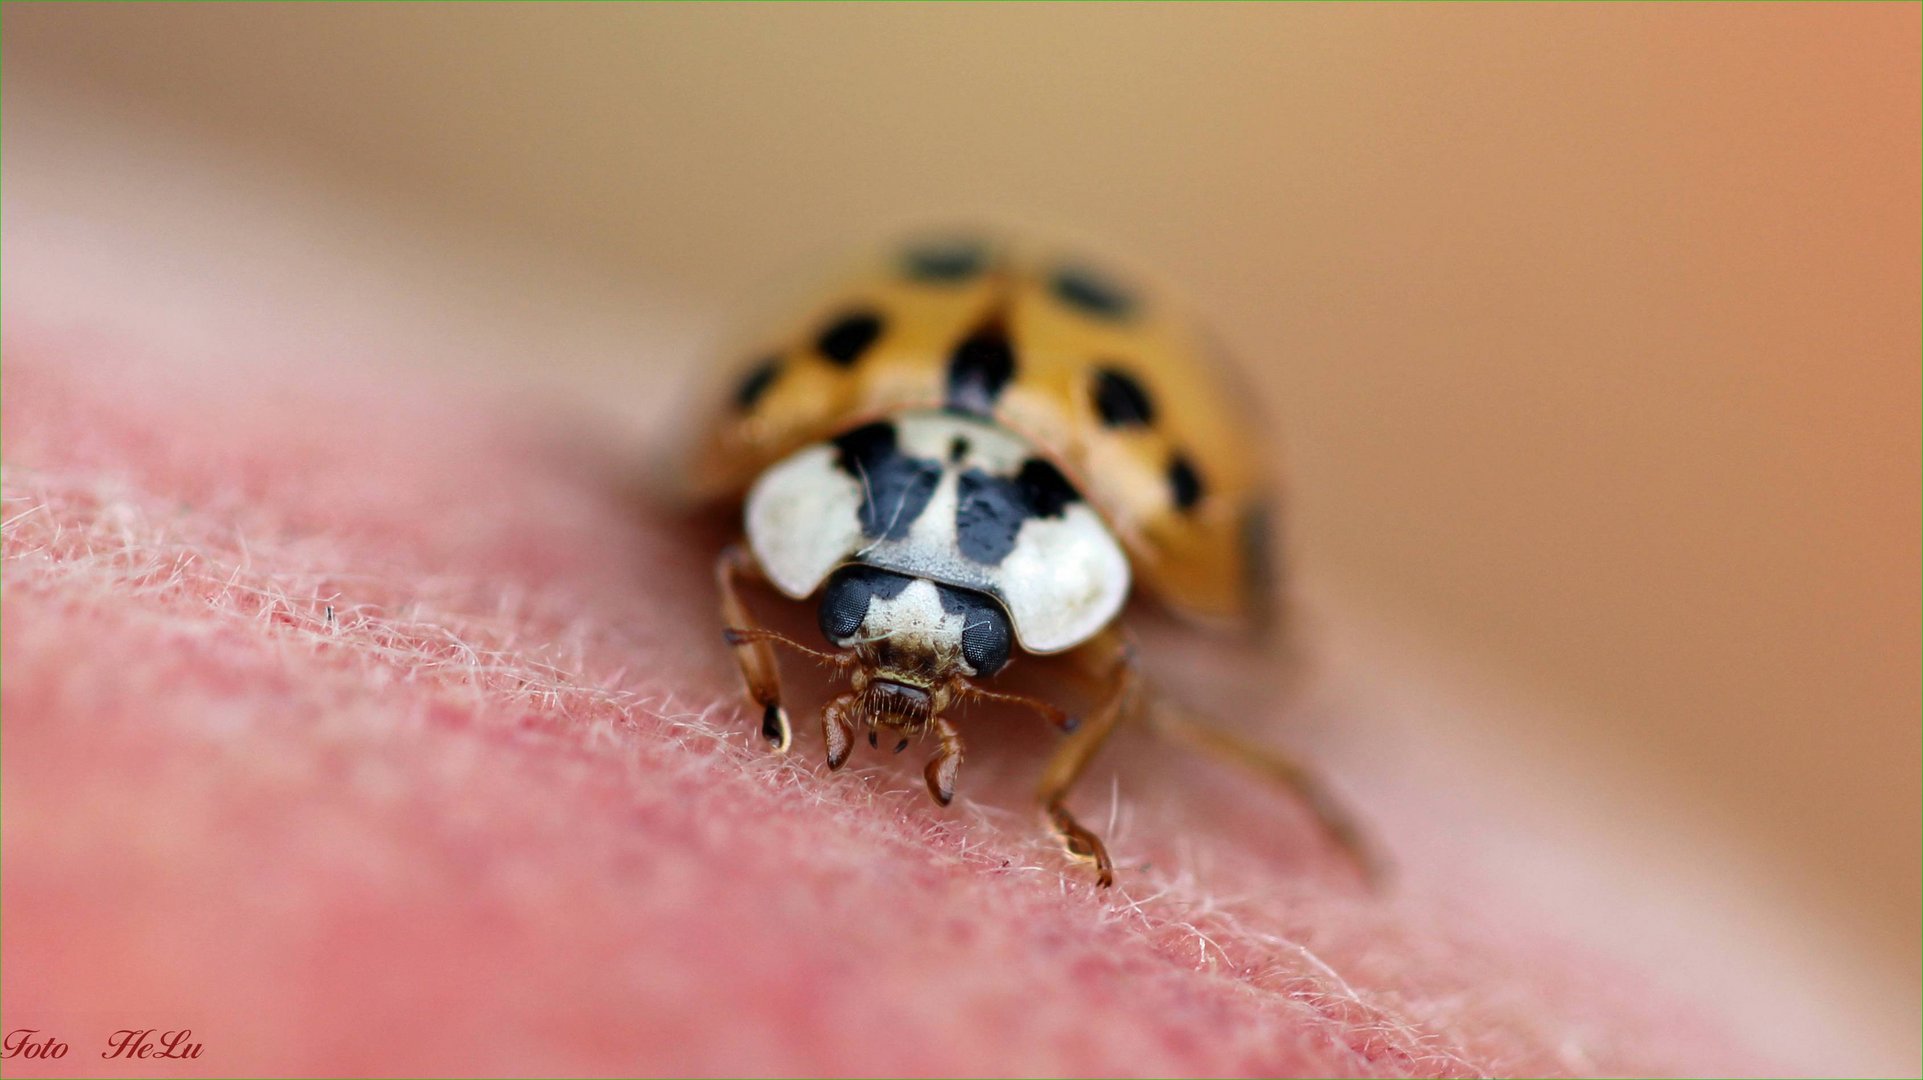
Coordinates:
x,y
986,637
844,604
844,601
985,643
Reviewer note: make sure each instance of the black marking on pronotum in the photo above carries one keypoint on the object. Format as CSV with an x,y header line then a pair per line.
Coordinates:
x,y
1184,483
895,488
848,337
946,263
957,449
1091,294
978,369
756,383
1045,488
1121,399
991,510
986,638
844,600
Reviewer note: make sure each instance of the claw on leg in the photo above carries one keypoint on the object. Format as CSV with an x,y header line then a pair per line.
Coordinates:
x,y
754,647
1082,844
752,651
1111,659
775,728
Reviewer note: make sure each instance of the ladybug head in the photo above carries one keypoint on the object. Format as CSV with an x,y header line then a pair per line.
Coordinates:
x,y
910,647
913,633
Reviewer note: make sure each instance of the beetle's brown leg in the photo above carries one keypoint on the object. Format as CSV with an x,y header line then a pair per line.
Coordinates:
x,y
943,767
753,646
1114,657
1180,725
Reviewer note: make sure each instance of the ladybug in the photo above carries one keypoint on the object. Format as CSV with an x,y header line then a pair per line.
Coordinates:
x,y
971,450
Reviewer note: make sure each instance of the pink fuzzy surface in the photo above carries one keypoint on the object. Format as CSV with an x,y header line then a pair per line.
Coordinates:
x,y
501,810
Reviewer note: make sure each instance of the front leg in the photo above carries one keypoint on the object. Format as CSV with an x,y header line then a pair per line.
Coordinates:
x,y
751,648
1111,659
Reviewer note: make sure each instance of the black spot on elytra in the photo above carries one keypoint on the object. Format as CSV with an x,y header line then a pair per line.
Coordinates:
x,y
986,637
1121,400
978,369
946,263
1184,483
1092,294
895,487
847,338
844,600
991,510
756,383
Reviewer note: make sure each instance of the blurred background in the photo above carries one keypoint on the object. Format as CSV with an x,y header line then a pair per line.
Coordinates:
x,y
1593,331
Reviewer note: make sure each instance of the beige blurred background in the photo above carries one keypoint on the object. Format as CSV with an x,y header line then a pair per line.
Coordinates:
x,y
1594,330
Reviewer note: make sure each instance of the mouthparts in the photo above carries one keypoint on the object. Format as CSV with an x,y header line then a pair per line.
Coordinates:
x,y
898,705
